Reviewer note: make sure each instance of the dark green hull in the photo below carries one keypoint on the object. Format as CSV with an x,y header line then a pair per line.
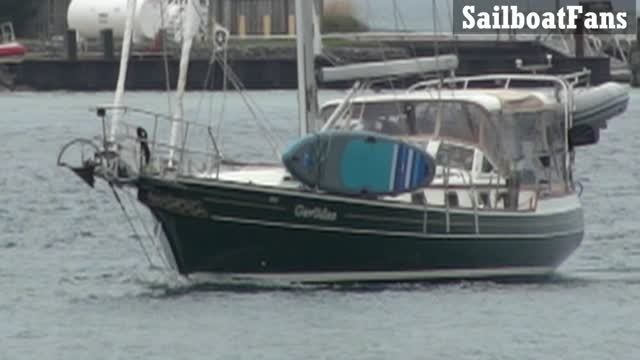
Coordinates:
x,y
222,228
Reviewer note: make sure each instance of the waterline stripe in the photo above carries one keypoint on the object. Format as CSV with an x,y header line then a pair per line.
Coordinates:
x,y
351,276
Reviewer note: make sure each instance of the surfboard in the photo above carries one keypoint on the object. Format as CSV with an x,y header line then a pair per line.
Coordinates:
x,y
359,163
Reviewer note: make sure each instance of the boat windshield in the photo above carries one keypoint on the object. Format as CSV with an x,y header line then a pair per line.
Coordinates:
x,y
457,120
537,150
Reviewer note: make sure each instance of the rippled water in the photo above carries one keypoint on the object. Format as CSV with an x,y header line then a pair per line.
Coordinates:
x,y
74,283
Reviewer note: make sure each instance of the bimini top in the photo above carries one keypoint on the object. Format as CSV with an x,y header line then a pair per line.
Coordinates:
x,y
505,100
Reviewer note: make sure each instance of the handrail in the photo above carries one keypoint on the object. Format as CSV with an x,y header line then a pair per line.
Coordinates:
x,y
165,145
574,78
218,152
135,110
560,81
507,78
129,134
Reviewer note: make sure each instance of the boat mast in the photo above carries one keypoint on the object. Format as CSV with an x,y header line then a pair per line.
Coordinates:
x,y
211,21
188,30
307,87
124,64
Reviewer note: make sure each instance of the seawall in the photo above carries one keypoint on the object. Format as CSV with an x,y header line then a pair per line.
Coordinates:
x,y
274,66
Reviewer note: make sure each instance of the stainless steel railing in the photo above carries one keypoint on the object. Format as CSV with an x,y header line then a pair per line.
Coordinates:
x,y
197,152
505,81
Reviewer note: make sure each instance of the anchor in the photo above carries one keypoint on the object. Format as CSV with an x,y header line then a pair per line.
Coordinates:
x,y
105,164
86,172
87,169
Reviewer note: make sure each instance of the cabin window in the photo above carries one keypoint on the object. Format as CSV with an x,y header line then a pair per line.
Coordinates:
x,y
450,121
555,135
454,156
452,199
385,118
447,119
538,155
459,121
326,112
483,200
486,165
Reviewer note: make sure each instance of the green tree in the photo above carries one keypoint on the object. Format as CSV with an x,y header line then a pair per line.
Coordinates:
x,y
17,11
339,17
342,24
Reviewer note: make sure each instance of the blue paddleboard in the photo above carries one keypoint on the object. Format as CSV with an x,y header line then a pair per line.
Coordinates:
x,y
359,163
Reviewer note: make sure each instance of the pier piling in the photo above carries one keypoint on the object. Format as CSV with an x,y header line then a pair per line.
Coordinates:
x,y
107,43
579,38
71,45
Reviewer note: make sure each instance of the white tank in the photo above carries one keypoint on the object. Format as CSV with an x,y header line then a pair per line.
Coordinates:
x,y
90,17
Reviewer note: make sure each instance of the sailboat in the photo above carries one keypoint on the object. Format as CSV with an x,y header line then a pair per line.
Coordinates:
x,y
502,201
11,51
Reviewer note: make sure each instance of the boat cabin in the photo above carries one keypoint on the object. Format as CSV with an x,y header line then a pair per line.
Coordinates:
x,y
494,149
11,51
6,33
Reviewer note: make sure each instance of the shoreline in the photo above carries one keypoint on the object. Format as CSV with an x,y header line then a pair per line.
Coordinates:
x,y
261,66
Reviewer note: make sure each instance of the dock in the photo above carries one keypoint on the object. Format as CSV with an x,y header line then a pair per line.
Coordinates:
x,y
262,52
271,64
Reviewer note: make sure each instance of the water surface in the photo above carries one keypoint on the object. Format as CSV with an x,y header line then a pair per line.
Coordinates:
x,y
74,283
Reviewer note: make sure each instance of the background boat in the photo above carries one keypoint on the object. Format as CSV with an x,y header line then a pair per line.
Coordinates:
x,y
11,51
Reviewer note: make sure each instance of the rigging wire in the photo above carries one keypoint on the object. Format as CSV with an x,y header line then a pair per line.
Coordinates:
x,y
436,44
163,39
403,26
400,24
135,231
260,117
223,105
149,234
449,15
258,114
235,80
438,90
381,46
210,76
